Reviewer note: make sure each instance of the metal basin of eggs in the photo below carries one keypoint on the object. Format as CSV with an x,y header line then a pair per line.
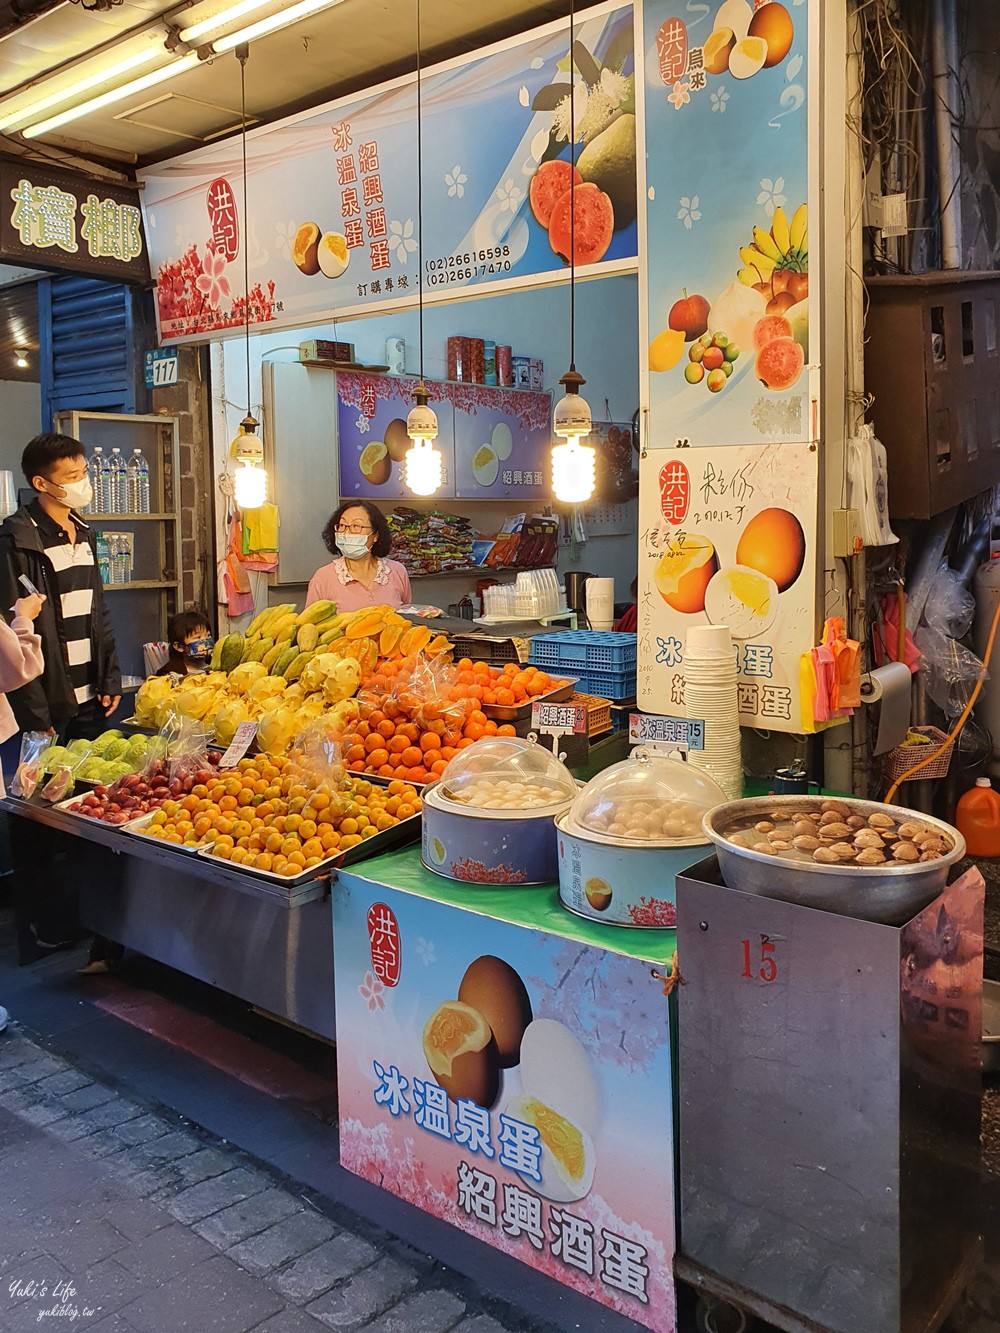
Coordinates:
x,y
648,821
857,858
504,794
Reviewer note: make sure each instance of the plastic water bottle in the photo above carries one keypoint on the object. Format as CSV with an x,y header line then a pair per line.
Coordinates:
x,y
138,483
117,483
98,470
123,561
103,558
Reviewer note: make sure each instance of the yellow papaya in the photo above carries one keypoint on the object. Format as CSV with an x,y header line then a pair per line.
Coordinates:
x,y
294,668
316,612
272,655
307,638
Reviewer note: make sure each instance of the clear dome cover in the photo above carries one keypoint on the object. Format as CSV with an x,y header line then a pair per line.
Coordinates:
x,y
507,773
650,798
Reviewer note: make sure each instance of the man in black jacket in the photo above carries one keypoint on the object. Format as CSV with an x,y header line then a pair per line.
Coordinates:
x,y
80,685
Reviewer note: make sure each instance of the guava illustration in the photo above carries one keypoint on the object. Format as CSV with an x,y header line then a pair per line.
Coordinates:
x,y
584,220
779,363
548,185
609,163
769,328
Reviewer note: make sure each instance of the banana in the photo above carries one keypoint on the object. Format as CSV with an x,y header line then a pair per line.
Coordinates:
x,y
764,242
779,230
797,231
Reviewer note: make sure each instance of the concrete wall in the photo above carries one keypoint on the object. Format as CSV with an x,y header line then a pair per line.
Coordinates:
x,y
21,413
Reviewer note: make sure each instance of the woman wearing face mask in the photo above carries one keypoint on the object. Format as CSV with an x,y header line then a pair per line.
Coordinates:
x,y
360,575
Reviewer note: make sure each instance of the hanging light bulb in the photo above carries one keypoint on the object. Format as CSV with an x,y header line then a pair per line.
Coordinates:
x,y
424,470
250,477
574,464
423,463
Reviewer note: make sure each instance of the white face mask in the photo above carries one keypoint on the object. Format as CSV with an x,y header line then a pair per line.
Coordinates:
x,y
353,545
76,494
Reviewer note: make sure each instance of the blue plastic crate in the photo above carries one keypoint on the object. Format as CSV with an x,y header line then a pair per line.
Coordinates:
x,y
608,684
585,650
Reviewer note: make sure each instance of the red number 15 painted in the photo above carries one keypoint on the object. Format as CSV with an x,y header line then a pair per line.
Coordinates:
x,y
768,968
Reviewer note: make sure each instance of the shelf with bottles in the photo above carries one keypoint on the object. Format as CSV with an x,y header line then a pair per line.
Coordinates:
x,y
92,517
135,584
121,484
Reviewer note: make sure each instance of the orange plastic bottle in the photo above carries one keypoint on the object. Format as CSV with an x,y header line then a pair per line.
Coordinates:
x,y
978,819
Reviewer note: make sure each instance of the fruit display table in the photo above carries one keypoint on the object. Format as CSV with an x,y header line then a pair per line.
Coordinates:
x,y
268,944
505,1066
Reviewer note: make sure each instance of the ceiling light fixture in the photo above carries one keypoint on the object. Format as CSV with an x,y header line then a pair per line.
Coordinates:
x,y
21,358
114,95
220,20
574,465
31,109
272,23
423,463
250,481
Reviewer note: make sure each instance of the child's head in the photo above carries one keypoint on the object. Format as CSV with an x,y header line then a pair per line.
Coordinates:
x,y
190,635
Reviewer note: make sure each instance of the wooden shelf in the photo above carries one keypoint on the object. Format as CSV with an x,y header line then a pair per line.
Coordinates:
x,y
485,570
129,518
139,584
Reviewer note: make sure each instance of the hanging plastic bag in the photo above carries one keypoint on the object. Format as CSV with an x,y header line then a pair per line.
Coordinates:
x,y
950,671
30,763
950,607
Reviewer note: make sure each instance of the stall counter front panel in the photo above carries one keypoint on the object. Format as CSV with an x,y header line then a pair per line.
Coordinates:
x,y
555,1144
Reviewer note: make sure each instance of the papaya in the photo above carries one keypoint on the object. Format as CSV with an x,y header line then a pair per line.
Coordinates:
x,y
272,655
216,662
258,651
307,638
232,652
330,635
283,631
313,614
285,659
295,667
254,628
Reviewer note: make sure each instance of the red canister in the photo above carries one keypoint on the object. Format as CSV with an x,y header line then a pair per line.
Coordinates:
x,y
505,365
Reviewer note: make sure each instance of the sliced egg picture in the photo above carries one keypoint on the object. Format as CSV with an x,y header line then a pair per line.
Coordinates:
x,y
438,851
556,1068
333,254
567,1161
502,441
743,599
485,465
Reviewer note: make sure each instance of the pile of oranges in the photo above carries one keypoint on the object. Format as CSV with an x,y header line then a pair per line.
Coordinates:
x,y
410,750
267,814
506,686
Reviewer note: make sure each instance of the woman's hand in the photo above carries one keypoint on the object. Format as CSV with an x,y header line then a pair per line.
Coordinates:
x,y
29,607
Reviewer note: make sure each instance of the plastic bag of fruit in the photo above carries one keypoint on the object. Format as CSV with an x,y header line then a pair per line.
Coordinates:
x,y
30,763
318,754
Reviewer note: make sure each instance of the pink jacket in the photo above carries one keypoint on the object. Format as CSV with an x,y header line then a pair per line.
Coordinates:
x,y
20,661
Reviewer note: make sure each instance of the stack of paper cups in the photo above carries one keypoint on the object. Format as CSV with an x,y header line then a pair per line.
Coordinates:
x,y
601,603
710,697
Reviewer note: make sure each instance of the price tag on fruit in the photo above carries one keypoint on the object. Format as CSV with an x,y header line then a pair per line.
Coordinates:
x,y
560,719
658,732
241,742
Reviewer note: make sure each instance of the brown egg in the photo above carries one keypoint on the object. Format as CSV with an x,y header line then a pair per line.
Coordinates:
x,y
774,24
598,893
493,988
305,249
462,1054
375,463
396,439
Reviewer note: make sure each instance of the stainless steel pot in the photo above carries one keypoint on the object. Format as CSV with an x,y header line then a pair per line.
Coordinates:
x,y
889,894
991,1027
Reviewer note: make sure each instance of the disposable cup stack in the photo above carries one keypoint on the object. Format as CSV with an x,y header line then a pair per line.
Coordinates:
x,y
710,697
601,603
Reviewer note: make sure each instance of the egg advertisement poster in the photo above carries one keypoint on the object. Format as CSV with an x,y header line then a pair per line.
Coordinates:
x,y
727,537
729,319
513,1082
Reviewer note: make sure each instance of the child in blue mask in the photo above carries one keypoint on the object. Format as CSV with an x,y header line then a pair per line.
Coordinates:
x,y
191,644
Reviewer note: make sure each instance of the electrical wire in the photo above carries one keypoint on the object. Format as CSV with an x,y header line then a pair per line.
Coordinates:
x,y
572,188
963,716
242,55
420,204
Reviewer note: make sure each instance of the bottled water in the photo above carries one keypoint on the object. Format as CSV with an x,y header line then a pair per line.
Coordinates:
x,y
137,474
103,558
99,482
117,484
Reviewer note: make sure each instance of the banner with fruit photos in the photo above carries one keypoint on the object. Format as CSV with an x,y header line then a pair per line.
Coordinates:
x,y
332,193
727,536
727,315
513,1080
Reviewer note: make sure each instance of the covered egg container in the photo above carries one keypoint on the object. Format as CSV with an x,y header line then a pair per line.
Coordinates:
x,y
490,818
628,834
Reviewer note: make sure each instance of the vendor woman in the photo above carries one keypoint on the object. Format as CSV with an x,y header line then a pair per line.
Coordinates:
x,y
359,575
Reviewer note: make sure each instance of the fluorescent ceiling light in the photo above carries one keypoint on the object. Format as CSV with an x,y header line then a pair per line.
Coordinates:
x,y
30,109
220,20
274,21
114,95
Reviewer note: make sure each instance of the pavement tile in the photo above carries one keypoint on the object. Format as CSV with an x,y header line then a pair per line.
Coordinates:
x,y
290,1321
111,1113
285,1240
426,1312
106,1288
161,1256
20,1098
215,1295
103,1142
203,1165
42,1066
165,1148
44,1113
141,1131
136,1220
481,1323
70,1129
317,1271
113,1324
87,1097
245,1219
85,1240
16,1051
351,1305
210,1196
70,1080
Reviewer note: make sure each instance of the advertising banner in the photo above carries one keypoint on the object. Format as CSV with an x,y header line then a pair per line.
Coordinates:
x,y
730,320
513,1082
332,194
494,441
727,536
